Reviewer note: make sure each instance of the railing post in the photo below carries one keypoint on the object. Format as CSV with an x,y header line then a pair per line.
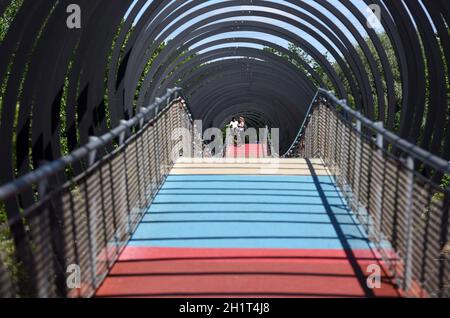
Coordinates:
x,y
308,137
138,162
122,137
319,152
314,131
42,188
93,153
357,175
143,112
378,189
310,134
124,133
55,251
158,103
157,139
409,222
91,209
341,141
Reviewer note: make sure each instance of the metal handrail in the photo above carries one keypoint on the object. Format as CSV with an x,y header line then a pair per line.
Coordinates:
x,y
404,213
52,168
410,149
59,224
303,126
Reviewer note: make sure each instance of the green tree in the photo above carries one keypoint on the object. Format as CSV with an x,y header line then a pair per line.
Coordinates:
x,y
8,17
394,67
300,54
6,245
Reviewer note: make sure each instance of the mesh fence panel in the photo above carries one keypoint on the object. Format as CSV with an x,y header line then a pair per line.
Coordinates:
x,y
6,286
79,225
405,214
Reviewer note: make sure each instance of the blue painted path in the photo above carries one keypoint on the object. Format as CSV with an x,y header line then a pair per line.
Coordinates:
x,y
247,236
238,211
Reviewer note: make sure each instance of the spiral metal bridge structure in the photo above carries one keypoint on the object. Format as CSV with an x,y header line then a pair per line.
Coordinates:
x,y
88,111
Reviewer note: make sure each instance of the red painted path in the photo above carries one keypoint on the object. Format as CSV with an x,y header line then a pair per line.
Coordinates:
x,y
240,235
184,272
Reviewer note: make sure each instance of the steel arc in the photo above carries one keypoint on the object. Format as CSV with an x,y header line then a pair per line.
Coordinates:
x,y
60,85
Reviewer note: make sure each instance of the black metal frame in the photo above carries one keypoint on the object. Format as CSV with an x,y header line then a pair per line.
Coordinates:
x,y
51,70
39,231
405,213
408,149
82,58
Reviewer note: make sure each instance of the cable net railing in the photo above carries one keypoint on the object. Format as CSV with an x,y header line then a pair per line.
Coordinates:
x,y
392,186
69,220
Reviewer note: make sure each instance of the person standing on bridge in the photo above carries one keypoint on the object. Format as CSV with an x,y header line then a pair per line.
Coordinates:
x,y
233,125
241,124
241,130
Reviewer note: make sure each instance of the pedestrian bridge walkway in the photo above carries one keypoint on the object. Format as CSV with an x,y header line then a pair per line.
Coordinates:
x,y
231,229
97,197
347,206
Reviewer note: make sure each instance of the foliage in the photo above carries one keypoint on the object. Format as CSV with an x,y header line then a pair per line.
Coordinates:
x,y
446,182
5,23
302,55
147,67
8,17
394,67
